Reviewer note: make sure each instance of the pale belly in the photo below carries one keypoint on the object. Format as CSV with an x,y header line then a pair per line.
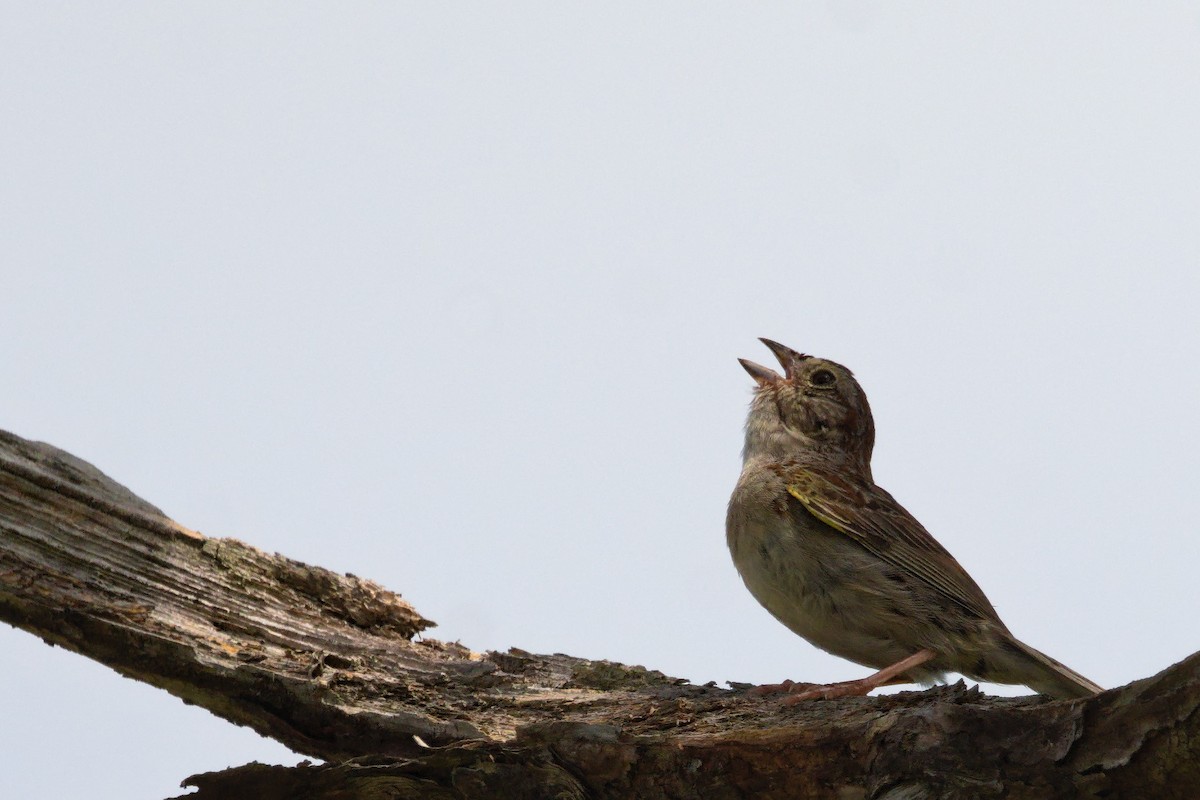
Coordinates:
x,y
824,588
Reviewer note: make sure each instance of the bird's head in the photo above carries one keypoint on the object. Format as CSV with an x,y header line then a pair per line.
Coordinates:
x,y
815,406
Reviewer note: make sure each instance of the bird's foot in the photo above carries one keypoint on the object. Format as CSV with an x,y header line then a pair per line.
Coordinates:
x,y
786,687
829,691
799,692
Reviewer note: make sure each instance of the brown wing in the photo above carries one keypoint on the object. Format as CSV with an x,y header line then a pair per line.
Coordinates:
x,y
873,519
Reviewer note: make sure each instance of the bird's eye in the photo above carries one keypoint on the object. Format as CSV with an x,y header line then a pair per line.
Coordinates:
x,y
823,377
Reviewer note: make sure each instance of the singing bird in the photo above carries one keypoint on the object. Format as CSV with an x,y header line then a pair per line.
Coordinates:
x,y
837,560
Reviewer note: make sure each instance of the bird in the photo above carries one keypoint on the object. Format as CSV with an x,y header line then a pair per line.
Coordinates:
x,y
837,560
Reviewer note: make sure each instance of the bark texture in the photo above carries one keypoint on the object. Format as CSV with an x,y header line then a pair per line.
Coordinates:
x,y
332,666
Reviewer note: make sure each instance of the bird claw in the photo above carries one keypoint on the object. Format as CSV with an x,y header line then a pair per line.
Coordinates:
x,y
799,692
787,687
830,691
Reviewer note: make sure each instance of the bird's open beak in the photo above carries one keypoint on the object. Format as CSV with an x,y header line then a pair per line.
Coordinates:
x,y
789,359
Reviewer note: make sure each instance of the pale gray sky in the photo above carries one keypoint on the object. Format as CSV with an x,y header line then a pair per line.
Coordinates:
x,y
451,297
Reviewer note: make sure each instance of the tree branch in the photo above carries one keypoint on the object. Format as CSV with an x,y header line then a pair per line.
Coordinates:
x,y
327,664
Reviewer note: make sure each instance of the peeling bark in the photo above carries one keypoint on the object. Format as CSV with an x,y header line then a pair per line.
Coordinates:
x,y
333,667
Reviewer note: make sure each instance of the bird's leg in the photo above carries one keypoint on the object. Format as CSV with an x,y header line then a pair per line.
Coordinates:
x,y
800,691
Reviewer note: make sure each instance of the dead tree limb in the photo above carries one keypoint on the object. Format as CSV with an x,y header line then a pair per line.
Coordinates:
x,y
331,666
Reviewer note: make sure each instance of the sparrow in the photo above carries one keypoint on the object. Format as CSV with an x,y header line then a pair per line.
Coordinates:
x,y
837,560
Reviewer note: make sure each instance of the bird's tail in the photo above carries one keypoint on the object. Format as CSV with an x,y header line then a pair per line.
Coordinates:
x,y
1023,664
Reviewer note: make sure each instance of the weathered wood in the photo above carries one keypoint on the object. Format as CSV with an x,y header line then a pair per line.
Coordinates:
x,y
333,666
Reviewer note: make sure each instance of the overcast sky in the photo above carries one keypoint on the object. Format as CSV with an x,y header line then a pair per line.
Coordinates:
x,y
451,297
